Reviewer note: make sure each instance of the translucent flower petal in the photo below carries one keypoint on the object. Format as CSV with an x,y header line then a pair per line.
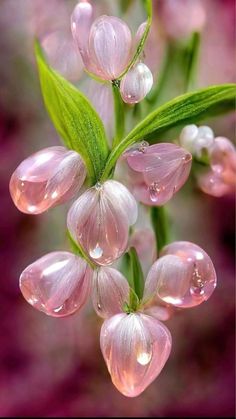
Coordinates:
x,y
135,348
47,178
110,291
99,220
110,46
136,84
184,275
57,284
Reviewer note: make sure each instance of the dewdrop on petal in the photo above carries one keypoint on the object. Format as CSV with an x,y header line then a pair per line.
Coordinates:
x,y
47,178
136,84
57,284
135,347
110,291
99,220
164,167
183,276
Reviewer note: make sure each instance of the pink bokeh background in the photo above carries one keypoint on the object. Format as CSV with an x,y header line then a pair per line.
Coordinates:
x,y
54,367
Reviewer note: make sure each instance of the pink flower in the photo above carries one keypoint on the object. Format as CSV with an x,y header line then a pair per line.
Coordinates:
x,y
184,276
110,291
99,220
135,347
47,178
136,84
62,54
57,284
221,178
106,48
159,171
180,18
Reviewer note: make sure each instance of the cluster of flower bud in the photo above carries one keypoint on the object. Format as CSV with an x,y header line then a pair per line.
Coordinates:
x,y
220,178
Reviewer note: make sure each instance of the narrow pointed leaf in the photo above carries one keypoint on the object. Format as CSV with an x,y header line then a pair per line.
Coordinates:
x,y
73,117
184,109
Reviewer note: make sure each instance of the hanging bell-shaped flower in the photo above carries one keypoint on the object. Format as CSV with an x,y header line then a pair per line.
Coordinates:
x,y
110,291
57,284
47,178
99,220
184,276
197,139
136,84
135,347
164,167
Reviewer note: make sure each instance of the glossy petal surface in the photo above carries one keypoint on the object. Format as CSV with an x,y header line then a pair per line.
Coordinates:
x,y
62,54
110,291
81,21
47,178
57,284
197,139
184,276
165,168
110,46
136,84
99,220
135,348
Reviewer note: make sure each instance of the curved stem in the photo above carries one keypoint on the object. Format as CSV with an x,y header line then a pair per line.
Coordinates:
x,y
119,114
160,223
148,7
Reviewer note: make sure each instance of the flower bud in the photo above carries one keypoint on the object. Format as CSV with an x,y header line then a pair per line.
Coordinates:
x,y
99,220
135,348
110,44
164,167
184,276
57,284
197,139
110,291
136,84
47,178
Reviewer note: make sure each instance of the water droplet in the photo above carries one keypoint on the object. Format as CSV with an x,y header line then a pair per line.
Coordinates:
x,y
54,195
96,253
142,146
144,358
56,310
98,186
99,306
155,189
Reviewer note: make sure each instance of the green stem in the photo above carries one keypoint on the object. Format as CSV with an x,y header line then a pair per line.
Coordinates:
x,y
78,250
192,55
160,225
148,7
119,114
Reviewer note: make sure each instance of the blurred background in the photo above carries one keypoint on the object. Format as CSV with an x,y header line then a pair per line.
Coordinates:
x,y
53,367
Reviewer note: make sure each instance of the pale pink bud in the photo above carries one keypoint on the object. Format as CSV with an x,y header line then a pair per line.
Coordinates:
x,y
197,139
135,347
47,178
136,84
110,45
221,178
165,168
184,276
57,284
100,95
139,34
63,55
110,291
81,21
160,312
99,220
180,18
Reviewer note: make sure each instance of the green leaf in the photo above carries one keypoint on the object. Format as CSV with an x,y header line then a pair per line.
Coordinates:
x,y
78,250
184,109
136,276
73,117
191,61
